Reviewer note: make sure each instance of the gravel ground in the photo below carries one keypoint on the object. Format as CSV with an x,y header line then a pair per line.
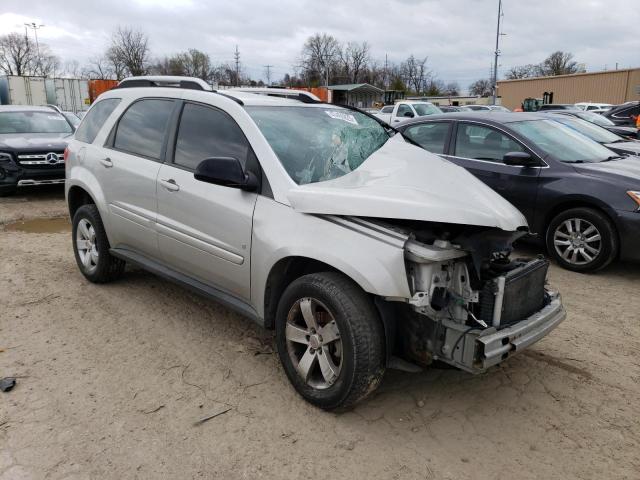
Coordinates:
x,y
112,380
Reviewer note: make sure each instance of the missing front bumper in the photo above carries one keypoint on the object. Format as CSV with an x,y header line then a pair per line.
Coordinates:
x,y
480,350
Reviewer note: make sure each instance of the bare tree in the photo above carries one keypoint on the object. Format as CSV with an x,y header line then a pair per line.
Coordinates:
x,y
560,63
46,63
99,68
415,73
523,71
319,54
482,87
452,89
354,59
129,52
16,54
196,64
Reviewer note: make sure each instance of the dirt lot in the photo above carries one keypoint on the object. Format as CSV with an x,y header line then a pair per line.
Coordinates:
x,y
111,380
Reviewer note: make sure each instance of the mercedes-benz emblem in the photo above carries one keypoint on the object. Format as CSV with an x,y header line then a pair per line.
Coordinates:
x,y
51,158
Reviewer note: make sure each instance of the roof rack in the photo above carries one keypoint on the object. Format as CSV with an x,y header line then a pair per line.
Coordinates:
x,y
300,95
190,83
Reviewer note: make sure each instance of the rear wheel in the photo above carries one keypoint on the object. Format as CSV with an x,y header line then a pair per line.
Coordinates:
x,y
582,240
330,340
91,247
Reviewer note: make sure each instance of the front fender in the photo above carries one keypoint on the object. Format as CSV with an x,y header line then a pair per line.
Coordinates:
x,y
374,263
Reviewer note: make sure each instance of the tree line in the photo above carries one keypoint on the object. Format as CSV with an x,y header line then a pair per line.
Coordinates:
x,y
323,60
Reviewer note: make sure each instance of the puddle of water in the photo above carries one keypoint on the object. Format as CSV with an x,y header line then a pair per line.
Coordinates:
x,y
40,225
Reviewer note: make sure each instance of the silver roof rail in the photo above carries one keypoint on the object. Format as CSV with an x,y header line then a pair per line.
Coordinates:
x,y
293,94
192,83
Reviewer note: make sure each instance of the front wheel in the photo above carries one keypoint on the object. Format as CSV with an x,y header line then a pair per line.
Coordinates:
x,y
330,340
582,240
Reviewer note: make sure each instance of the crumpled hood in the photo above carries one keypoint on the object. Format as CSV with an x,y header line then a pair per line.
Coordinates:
x,y
33,141
624,171
403,181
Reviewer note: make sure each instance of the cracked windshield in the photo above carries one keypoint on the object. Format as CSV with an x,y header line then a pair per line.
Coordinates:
x,y
318,144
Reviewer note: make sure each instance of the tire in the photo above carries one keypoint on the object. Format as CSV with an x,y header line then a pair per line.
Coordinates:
x,y
582,240
95,262
356,352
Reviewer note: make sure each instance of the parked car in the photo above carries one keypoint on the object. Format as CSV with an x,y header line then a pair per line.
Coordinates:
x,y
478,108
598,134
556,106
582,199
406,109
449,108
589,106
624,114
630,133
32,141
267,204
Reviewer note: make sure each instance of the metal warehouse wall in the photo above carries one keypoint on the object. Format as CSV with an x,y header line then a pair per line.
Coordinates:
x,y
613,86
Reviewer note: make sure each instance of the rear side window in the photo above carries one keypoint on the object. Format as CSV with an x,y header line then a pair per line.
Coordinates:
x,y
431,136
95,118
143,127
205,132
388,109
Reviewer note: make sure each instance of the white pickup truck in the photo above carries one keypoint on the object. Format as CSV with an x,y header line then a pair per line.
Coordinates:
x,y
405,110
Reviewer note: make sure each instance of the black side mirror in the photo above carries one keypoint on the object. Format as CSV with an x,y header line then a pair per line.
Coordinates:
x,y
226,171
519,159
408,114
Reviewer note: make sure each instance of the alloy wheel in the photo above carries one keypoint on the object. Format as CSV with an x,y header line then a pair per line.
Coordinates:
x,y
577,241
313,343
86,245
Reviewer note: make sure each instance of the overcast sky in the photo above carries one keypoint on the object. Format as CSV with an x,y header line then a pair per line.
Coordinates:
x,y
458,36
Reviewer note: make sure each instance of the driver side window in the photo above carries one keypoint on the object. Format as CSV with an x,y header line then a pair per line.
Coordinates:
x,y
205,132
403,109
483,143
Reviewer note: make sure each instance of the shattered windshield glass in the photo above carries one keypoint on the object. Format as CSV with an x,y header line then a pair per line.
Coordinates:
x,y
316,144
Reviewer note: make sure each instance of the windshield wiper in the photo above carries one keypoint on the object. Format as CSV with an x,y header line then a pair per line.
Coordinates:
x,y
574,161
613,157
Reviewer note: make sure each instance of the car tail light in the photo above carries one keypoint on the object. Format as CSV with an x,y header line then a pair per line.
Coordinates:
x,y
65,155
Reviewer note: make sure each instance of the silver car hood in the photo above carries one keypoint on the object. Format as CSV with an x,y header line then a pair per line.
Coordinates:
x,y
403,181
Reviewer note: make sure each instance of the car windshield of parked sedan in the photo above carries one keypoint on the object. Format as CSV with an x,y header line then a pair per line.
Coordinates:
x,y
33,122
594,132
596,118
423,109
561,142
315,144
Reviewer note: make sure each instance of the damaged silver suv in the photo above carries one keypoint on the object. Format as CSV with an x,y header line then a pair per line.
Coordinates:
x,y
360,249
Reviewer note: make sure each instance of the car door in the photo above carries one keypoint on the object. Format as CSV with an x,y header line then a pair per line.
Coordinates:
x,y
480,148
129,166
205,229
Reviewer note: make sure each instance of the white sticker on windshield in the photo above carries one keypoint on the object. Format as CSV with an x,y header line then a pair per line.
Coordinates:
x,y
55,117
345,117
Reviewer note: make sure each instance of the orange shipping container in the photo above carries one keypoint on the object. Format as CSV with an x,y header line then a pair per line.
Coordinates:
x,y
96,87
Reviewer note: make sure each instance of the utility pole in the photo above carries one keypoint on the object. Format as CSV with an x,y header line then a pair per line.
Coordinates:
x,y
268,67
236,56
35,28
497,53
386,72
326,64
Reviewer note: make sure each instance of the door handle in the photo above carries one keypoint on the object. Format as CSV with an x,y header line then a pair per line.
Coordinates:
x,y
170,184
106,162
